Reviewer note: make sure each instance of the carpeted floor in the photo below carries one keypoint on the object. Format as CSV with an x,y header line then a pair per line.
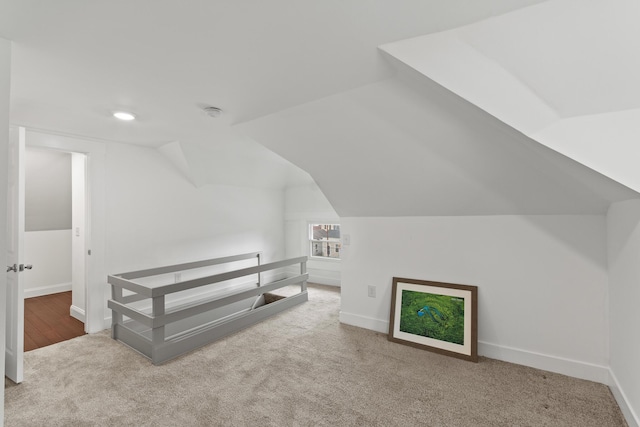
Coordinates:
x,y
299,368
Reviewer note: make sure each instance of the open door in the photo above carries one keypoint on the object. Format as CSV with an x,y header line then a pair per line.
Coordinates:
x,y
15,237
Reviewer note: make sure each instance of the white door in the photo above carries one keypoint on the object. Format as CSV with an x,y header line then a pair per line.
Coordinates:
x,y
15,237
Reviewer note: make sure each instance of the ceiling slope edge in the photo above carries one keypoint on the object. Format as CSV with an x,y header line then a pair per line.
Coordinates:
x,y
173,152
239,163
407,146
605,143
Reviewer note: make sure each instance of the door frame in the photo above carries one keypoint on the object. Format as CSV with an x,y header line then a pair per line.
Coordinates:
x,y
79,242
14,339
96,284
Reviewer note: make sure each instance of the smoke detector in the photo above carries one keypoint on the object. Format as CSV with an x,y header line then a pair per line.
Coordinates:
x,y
212,111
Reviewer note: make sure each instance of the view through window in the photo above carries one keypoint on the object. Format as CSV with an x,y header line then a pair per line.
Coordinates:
x,y
325,240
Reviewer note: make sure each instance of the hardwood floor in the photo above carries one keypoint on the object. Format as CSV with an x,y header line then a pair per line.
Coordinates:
x,y
47,321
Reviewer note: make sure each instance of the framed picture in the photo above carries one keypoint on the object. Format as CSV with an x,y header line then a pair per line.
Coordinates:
x,y
439,317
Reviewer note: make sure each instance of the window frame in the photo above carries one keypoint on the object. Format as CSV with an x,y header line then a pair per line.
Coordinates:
x,y
311,241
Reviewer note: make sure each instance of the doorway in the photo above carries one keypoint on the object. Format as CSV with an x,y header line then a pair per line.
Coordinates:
x,y
55,244
47,321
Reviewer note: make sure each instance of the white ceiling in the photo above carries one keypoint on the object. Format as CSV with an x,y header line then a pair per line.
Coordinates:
x,y
577,56
306,80
75,61
407,147
563,72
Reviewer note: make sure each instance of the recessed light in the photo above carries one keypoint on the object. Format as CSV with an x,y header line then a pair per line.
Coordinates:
x,y
123,115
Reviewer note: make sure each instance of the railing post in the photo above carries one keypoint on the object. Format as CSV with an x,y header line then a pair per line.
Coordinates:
x,y
157,334
116,318
303,270
259,274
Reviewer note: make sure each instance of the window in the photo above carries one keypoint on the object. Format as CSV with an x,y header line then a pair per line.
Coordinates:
x,y
325,240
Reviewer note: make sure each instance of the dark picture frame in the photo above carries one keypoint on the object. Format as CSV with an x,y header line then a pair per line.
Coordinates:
x,y
435,316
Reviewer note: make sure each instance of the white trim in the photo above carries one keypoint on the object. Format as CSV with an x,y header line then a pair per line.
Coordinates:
x,y
324,280
364,322
78,313
322,258
95,227
316,276
559,365
47,290
633,420
310,240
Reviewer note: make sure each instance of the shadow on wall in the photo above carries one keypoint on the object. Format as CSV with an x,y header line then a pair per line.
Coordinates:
x,y
626,227
428,152
557,227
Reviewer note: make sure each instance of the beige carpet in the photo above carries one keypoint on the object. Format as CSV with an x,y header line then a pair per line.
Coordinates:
x,y
300,368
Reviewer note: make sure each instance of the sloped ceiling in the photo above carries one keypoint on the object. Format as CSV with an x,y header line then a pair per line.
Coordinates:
x,y
563,72
306,80
76,61
406,146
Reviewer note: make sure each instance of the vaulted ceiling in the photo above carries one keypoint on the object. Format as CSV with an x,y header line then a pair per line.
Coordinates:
x,y
563,72
407,147
408,107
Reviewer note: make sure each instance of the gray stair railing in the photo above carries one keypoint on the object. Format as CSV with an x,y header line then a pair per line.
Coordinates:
x,y
147,332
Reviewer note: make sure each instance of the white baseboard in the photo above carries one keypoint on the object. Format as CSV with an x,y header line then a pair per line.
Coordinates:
x,y
107,323
77,313
321,280
47,290
572,368
627,410
559,365
364,322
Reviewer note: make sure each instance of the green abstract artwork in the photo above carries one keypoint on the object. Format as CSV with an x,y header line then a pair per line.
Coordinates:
x,y
440,317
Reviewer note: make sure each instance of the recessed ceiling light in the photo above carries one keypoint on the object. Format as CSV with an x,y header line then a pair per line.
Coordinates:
x,y
123,115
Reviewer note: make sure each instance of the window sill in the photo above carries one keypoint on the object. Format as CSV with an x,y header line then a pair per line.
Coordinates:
x,y
323,259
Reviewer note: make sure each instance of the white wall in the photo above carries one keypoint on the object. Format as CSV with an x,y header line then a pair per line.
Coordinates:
x,y
47,190
623,226
47,244
542,281
408,147
143,213
305,205
156,217
50,254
